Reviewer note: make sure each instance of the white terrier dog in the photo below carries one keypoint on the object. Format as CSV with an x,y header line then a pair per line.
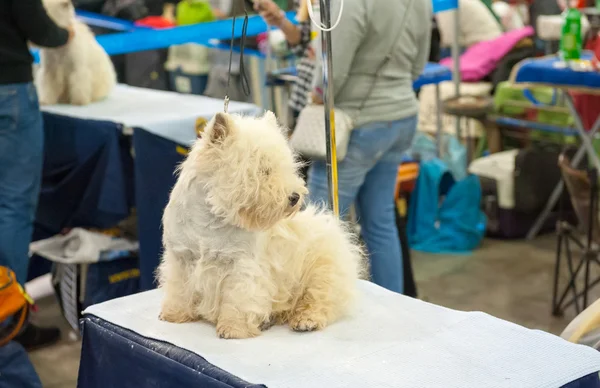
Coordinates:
x,y
80,72
239,253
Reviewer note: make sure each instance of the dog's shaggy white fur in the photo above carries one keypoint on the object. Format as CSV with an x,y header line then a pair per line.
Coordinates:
x,y
78,73
239,253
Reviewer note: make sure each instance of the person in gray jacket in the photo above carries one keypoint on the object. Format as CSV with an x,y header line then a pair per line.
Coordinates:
x,y
385,126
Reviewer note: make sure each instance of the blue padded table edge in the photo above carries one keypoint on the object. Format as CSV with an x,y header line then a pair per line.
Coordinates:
x,y
434,73
142,38
191,362
542,71
97,20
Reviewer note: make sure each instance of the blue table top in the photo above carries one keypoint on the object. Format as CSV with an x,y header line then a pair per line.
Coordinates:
x,y
547,71
433,73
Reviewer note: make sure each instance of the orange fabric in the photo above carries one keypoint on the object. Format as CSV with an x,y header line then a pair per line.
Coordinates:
x,y
407,176
11,295
13,303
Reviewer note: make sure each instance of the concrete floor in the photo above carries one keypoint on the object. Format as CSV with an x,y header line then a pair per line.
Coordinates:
x,y
508,279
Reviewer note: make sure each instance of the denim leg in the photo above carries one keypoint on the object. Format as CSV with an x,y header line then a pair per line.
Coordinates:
x,y
318,190
16,369
378,226
21,148
369,173
377,212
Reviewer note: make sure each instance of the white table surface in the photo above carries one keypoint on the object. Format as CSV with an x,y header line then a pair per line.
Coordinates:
x,y
388,341
167,114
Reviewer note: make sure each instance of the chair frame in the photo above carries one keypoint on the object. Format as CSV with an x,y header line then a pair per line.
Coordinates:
x,y
590,251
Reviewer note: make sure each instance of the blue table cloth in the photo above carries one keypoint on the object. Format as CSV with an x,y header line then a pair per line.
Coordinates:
x,y
549,71
87,179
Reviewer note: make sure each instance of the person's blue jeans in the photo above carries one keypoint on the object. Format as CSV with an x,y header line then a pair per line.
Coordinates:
x,y
21,149
367,178
16,369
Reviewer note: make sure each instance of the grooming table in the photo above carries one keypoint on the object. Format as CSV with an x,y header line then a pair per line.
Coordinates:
x,y
547,71
163,127
168,113
388,341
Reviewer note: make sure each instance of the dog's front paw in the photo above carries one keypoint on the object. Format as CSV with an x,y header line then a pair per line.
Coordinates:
x,y
306,321
236,331
169,316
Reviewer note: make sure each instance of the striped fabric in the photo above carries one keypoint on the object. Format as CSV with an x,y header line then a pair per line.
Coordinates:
x,y
302,87
67,276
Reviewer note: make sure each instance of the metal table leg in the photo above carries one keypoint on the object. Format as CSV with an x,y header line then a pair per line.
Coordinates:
x,y
438,115
585,137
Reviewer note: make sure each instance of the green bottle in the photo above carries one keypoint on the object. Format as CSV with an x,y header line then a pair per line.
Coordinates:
x,y
570,39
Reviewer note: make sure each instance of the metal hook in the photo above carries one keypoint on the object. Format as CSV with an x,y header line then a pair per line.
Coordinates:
x,y
226,107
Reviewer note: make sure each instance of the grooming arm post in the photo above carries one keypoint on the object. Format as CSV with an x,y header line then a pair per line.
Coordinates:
x,y
332,176
456,62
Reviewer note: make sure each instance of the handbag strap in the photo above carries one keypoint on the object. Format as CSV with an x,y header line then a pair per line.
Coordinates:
x,y
387,58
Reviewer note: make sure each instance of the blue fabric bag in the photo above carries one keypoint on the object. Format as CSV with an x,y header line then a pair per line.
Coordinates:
x,y
453,153
455,224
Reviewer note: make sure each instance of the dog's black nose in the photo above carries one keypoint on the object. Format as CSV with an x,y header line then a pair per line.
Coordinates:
x,y
294,198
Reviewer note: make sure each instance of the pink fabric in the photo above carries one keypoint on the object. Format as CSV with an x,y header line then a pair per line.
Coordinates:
x,y
482,58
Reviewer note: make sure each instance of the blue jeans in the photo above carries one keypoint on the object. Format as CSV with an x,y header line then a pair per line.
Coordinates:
x,y
16,369
21,149
367,178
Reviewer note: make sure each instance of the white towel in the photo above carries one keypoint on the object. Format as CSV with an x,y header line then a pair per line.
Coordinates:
x,y
81,246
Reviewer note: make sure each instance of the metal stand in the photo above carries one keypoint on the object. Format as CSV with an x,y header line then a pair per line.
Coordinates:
x,y
438,115
331,163
456,63
586,146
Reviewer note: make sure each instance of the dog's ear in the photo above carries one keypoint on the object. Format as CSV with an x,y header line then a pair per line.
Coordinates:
x,y
270,117
221,128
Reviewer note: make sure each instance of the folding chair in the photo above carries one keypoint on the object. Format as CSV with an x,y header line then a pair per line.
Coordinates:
x,y
582,187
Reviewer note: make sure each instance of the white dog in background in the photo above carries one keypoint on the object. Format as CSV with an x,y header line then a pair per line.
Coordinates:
x,y
239,252
80,72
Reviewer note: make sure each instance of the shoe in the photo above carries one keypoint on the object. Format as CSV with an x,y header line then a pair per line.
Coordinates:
x,y
33,337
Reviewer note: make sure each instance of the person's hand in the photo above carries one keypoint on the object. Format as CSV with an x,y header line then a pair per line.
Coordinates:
x,y
169,12
219,14
270,12
71,33
316,99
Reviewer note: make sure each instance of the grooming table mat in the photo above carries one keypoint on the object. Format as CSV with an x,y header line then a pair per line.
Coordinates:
x,y
167,114
388,341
